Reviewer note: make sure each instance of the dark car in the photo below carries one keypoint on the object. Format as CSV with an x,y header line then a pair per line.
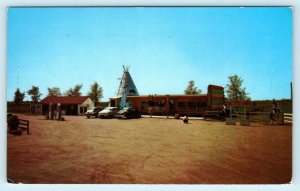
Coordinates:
x,y
93,112
127,113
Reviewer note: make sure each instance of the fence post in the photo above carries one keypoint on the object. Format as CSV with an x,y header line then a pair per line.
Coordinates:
x,y
28,127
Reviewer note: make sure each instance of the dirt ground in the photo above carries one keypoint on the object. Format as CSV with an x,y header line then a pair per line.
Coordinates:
x,y
149,151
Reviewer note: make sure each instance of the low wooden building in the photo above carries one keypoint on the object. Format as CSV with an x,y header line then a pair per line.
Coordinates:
x,y
70,105
169,104
192,105
24,107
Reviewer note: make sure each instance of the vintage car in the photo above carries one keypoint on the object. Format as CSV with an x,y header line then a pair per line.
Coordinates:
x,y
93,112
108,112
127,113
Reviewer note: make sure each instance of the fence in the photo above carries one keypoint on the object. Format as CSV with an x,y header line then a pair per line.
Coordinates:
x,y
24,125
26,107
287,118
260,117
283,118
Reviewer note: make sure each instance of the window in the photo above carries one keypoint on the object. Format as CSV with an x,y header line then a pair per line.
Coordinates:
x,y
144,106
151,103
160,103
132,91
191,106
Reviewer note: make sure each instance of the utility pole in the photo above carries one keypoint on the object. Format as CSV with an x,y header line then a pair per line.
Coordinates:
x,y
292,91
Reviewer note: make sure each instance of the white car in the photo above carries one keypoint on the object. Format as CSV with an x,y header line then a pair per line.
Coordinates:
x,y
108,112
93,112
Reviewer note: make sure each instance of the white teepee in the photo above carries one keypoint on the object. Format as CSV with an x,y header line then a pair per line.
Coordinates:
x,y
126,88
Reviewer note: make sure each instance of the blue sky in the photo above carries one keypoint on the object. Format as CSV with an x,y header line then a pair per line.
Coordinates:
x,y
164,47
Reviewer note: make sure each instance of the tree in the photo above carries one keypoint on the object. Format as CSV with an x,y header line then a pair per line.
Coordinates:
x,y
191,89
19,97
96,92
234,89
55,91
35,94
74,91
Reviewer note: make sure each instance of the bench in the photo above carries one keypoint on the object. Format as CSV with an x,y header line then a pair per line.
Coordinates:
x,y
24,125
211,114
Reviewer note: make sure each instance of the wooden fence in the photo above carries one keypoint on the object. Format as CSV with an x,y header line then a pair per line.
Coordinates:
x,y
24,125
283,118
287,118
260,117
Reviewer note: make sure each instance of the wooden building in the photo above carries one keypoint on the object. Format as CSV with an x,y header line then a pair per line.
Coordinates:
x,y
70,105
192,105
25,107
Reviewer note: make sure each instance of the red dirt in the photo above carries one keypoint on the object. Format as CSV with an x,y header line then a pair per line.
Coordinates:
x,y
149,151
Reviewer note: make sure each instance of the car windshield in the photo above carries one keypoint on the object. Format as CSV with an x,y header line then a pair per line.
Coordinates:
x,y
109,109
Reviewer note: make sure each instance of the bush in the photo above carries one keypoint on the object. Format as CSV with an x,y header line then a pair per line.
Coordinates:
x,y
12,122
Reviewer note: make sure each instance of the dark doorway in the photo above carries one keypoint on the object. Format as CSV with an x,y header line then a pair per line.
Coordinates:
x,y
71,110
171,107
112,103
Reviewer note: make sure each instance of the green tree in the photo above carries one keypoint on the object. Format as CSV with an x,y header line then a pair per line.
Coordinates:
x,y
191,89
55,91
74,91
234,89
19,97
96,92
35,94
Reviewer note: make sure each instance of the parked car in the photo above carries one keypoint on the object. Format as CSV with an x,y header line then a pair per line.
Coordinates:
x,y
93,112
108,112
127,113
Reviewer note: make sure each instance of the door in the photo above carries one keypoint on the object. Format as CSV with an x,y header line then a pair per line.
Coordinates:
x,y
171,107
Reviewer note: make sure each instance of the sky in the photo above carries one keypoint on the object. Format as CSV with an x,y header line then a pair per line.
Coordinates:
x,y
165,47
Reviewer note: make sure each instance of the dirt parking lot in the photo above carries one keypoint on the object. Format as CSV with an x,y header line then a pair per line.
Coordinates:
x,y
148,151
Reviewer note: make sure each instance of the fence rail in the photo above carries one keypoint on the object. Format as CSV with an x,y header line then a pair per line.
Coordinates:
x,y
283,118
254,116
24,125
288,118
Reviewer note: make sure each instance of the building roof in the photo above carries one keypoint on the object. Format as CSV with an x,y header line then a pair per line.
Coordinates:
x,y
64,99
170,95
